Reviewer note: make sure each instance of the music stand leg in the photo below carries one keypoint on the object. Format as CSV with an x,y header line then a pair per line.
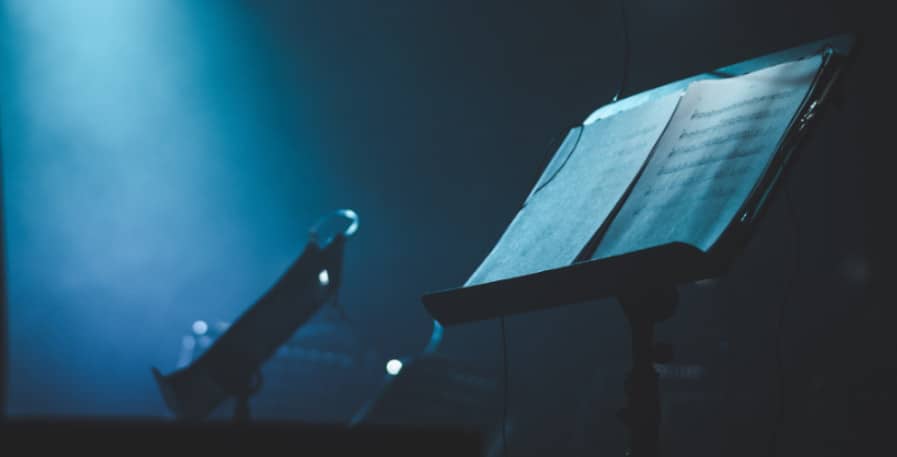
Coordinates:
x,y
642,412
241,407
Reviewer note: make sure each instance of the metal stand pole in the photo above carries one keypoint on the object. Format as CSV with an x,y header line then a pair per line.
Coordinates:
x,y
641,415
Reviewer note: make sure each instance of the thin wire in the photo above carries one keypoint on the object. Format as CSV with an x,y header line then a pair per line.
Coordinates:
x,y
625,70
624,77
550,157
504,413
340,310
795,239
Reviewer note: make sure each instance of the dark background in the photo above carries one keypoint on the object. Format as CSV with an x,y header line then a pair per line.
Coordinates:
x,y
162,162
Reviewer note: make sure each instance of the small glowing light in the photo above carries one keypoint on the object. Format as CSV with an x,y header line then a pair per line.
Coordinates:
x,y
200,327
393,367
352,216
324,277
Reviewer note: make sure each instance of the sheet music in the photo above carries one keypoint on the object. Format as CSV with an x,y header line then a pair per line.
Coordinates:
x,y
715,149
572,200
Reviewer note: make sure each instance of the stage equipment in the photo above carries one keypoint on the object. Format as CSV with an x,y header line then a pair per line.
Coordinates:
x,y
230,367
658,189
430,390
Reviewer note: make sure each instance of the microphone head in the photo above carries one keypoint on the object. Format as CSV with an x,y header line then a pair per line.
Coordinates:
x,y
340,223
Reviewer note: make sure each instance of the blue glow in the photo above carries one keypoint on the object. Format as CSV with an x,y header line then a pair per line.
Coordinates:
x,y
393,367
435,338
200,327
324,278
150,178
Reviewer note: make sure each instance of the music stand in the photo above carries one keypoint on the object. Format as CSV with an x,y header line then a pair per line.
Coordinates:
x,y
645,282
230,367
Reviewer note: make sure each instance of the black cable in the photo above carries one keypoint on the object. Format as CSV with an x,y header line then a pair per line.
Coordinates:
x,y
624,77
625,70
339,307
551,157
795,239
504,414
256,382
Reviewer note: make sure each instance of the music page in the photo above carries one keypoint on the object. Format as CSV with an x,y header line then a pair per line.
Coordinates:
x,y
577,192
714,151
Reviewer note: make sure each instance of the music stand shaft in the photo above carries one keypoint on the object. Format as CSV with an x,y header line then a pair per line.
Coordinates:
x,y
643,309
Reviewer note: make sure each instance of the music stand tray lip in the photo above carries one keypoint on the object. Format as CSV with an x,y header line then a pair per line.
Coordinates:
x,y
609,277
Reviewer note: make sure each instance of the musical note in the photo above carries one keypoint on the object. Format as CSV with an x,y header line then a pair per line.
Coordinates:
x,y
716,147
563,214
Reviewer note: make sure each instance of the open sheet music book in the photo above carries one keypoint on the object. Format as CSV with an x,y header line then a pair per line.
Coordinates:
x,y
658,189
677,168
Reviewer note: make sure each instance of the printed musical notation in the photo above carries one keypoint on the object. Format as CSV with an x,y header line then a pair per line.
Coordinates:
x,y
564,213
717,145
